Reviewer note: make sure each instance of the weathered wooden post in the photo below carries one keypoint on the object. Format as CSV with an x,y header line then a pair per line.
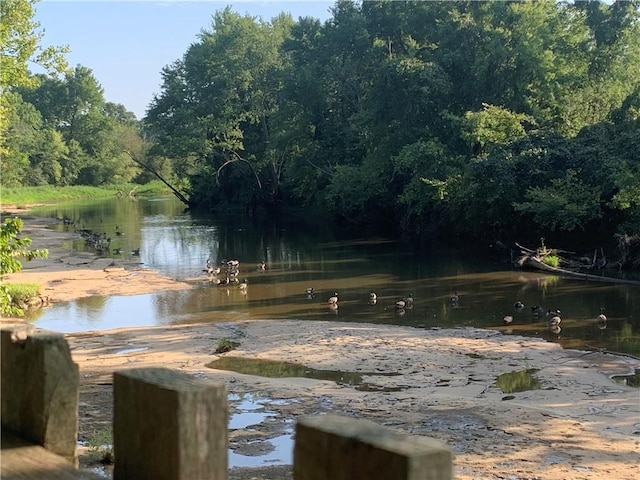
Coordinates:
x,y
332,447
169,425
40,385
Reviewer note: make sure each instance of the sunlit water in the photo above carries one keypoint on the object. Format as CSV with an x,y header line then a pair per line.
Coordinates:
x,y
178,243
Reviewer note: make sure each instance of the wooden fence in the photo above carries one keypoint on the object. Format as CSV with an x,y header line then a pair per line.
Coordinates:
x,y
170,425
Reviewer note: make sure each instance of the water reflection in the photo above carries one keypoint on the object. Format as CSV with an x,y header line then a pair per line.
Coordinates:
x,y
178,244
277,369
520,381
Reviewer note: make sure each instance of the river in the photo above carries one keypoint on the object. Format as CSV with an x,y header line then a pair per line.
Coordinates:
x,y
178,243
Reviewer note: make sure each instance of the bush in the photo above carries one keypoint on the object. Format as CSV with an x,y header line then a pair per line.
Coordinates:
x,y
226,345
551,260
100,445
12,249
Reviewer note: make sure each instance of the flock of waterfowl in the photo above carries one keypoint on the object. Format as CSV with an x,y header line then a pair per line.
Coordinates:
x,y
554,317
100,242
228,271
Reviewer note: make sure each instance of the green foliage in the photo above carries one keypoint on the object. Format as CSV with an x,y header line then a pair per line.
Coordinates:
x,y
12,249
23,292
226,345
493,126
551,260
566,204
20,43
100,446
48,194
488,119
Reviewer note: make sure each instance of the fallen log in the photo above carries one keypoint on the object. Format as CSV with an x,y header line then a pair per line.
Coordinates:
x,y
528,261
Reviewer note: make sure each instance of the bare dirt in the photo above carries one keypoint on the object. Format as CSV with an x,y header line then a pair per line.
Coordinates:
x,y
578,425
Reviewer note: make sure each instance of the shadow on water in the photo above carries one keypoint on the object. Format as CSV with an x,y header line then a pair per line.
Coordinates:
x,y
178,244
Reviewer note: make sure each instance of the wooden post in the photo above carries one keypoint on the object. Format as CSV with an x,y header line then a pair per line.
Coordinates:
x,y
169,425
332,447
40,385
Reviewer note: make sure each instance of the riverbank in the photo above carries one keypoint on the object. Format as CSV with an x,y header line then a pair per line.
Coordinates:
x,y
67,275
576,424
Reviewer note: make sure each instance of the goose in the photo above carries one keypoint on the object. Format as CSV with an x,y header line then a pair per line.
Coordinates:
x,y
334,299
537,310
136,252
602,317
373,298
555,319
262,266
455,298
409,301
400,304
309,292
518,305
507,320
243,285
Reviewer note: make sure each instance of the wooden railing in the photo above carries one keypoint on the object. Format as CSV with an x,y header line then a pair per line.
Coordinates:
x,y
170,425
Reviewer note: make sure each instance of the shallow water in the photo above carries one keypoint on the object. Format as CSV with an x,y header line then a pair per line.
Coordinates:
x,y
178,244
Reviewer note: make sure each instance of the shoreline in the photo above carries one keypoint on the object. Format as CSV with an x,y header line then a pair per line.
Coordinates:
x,y
439,382
67,275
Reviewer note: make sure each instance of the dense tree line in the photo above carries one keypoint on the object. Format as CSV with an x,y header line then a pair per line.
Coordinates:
x,y
495,119
450,118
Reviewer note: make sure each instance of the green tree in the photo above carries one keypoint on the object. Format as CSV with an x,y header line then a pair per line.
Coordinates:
x,y
20,43
12,249
214,111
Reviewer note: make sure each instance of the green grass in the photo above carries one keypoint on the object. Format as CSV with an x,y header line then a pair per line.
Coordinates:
x,y
226,345
22,196
22,292
100,446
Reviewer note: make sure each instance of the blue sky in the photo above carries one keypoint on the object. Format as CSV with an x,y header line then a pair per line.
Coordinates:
x,y
127,43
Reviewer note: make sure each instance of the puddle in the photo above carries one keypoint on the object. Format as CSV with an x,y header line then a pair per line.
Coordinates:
x,y
254,448
632,380
519,381
275,369
131,350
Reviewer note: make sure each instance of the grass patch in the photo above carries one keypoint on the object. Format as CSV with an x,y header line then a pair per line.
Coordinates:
x,y
226,345
100,447
22,292
22,196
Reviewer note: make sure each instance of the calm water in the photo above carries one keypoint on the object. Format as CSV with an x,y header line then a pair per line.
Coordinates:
x,y
178,244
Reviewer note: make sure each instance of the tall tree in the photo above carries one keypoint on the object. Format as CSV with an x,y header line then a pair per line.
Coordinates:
x,y
20,43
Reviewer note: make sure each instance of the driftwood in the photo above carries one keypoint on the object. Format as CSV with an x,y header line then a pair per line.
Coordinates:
x,y
533,259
